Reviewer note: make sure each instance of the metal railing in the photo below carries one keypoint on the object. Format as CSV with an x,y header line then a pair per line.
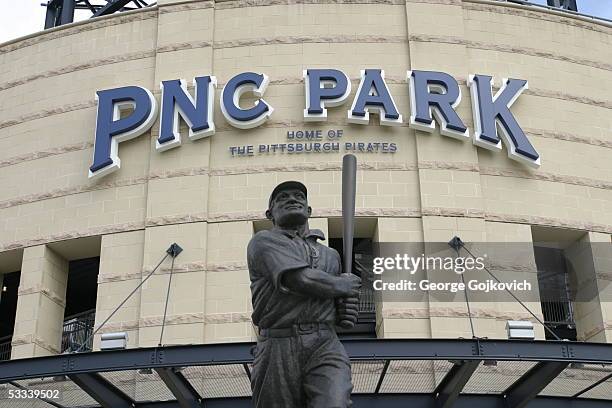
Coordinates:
x,y
77,330
556,312
366,293
5,348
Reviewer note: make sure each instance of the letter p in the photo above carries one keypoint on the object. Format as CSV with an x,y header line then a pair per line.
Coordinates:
x,y
112,129
324,88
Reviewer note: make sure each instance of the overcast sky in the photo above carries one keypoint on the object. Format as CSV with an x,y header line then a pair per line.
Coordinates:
x,y
23,17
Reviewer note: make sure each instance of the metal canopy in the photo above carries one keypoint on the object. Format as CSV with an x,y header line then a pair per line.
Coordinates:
x,y
428,373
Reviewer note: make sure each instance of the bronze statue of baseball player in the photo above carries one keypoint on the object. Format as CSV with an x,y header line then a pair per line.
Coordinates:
x,y
299,293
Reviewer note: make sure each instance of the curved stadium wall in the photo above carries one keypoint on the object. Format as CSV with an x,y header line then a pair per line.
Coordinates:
x,y
210,202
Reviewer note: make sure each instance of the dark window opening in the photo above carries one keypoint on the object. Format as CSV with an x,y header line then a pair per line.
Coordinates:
x,y
80,312
555,292
8,310
363,255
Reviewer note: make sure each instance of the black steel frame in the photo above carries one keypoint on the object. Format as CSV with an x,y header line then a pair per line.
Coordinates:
x,y
552,358
60,12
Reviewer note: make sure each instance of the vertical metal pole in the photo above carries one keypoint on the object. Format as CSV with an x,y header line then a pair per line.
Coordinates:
x,y
51,17
67,15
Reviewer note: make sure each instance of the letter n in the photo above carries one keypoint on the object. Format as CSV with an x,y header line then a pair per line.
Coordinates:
x,y
197,113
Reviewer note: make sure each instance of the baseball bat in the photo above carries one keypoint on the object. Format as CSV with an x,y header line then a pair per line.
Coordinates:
x,y
349,180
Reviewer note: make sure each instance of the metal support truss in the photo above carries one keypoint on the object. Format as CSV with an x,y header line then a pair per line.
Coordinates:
x,y
106,394
185,394
358,350
111,7
382,376
564,4
535,380
408,400
590,387
452,384
551,357
60,12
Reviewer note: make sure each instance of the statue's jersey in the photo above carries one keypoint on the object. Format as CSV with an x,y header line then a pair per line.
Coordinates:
x,y
272,253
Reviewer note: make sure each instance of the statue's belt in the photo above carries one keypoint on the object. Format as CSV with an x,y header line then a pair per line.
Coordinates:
x,y
297,329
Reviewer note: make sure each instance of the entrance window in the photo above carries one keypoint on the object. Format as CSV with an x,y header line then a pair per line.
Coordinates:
x,y
363,259
555,292
80,312
9,283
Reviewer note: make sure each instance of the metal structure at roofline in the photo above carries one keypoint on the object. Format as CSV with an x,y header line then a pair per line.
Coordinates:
x,y
60,12
564,4
427,373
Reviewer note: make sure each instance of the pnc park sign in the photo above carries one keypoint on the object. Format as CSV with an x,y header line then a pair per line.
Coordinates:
x,y
127,112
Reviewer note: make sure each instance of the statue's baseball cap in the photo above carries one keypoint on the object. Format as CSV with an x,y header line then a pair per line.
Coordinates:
x,y
287,185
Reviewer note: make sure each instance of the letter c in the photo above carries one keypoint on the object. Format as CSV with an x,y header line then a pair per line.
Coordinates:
x,y
247,82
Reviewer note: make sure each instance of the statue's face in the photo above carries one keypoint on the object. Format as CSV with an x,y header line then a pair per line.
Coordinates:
x,y
289,208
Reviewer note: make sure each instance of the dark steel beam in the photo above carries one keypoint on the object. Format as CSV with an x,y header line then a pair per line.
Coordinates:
x,y
186,395
362,349
382,376
133,359
51,16
454,381
112,7
408,400
67,14
98,388
89,6
590,387
247,370
526,388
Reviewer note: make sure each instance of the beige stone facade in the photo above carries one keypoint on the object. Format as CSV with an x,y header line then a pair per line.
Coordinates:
x,y
198,195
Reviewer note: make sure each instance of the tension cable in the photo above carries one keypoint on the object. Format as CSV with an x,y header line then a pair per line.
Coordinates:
x,y
173,251
457,244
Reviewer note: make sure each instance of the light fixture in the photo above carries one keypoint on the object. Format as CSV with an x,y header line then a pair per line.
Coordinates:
x,y
4,288
520,330
114,341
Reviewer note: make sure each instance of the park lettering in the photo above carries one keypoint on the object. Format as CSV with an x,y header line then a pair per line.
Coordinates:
x,y
127,112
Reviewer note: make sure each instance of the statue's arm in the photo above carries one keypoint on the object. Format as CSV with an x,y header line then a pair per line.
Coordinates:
x,y
317,283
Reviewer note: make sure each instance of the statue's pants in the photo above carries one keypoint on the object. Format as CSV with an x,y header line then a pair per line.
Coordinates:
x,y
305,370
